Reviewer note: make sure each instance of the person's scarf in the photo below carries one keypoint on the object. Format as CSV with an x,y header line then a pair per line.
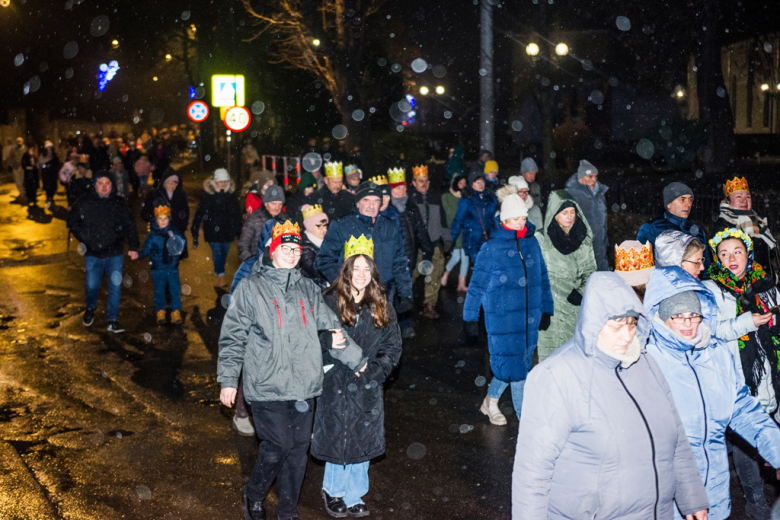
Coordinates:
x,y
749,222
400,203
567,243
755,347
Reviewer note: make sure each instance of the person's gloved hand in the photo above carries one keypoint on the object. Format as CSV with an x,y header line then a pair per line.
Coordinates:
x,y
575,298
471,328
544,323
404,305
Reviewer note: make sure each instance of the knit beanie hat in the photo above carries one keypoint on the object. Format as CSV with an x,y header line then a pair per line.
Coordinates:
x,y
273,193
512,207
307,180
491,166
528,165
687,301
675,190
367,189
585,168
518,181
221,174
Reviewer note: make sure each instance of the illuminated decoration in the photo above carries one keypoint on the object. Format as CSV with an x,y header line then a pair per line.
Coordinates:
x,y
227,90
734,185
193,92
334,170
315,42
106,74
198,111
412,112
764,87
237,119
359,246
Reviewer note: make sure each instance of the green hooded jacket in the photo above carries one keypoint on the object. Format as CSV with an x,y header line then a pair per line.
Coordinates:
x,y
566,273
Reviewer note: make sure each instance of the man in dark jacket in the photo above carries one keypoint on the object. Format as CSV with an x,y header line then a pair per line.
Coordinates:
x,y
101,221
588,192
335,200
272,208
131,156
388,245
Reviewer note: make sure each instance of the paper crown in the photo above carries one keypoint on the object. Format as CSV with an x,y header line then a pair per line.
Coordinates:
x,y
420,171
359,246
396,176
351,169
734,185
334,169
288,228
630,260
379,180
162,211
311,210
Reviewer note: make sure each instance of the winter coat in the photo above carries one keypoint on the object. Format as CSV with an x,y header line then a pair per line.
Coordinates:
x,y
594,206
535,216
103,224
607,439
433,216
271,330
709,392
510,283
415,234
567,273
30,170
455,164
308,263
474,216
334,206
77,186
449,203
219,212
180,209
349,424
49,171
389,254
650,231
251,232
98,159
155,247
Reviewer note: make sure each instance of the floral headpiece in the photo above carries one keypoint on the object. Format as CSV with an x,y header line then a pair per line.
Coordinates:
x,y
732,233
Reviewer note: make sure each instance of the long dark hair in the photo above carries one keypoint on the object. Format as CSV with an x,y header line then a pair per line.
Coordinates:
x,y
374,296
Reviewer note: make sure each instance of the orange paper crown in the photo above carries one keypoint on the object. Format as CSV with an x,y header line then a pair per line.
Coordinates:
x,y
734,185
288,228
630,260
420,171
162,211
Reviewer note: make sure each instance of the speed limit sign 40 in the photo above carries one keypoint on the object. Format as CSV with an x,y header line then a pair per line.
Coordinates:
x,y
237,119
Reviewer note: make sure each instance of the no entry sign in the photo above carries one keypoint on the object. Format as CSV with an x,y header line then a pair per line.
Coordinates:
x,y
237,119
198,111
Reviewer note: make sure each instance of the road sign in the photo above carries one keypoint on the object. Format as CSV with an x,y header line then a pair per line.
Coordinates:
x,y
237,119
198,111
227,90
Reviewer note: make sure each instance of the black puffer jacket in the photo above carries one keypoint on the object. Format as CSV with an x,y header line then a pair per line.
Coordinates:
x,y
180,210
219,212
334,206
103,224
349,424
415,233
308,263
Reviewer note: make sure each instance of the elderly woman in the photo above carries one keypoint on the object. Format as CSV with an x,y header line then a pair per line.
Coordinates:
x,y
607,440
752,334
677,249
709,392
523,190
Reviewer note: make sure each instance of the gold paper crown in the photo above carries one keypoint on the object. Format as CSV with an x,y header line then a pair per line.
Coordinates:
x,y
379,180
162,211
334,169
312,210
359,246
396,176
420,171
735,184
630,260
288,228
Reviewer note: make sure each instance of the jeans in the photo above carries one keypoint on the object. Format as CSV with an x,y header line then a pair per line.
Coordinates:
x,y
95,267
349,482
458,255
219,252
285,433
169,278
497,387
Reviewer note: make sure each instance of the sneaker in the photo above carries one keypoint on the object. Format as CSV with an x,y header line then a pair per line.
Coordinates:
x,y
115,327
243,426
89,317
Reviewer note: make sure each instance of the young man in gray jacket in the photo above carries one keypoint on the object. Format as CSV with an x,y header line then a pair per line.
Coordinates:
x,y
276,328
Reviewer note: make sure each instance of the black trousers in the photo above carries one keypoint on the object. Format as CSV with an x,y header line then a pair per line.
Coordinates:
x,y
285,432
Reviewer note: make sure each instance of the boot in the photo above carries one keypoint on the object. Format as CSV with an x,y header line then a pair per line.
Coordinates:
x,y
444,278
462,287
160,317
490,408
243,426
429,312
176,318
222,281
217,281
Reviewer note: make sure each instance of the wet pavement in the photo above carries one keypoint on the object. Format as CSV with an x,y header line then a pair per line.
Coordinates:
x,y
95,425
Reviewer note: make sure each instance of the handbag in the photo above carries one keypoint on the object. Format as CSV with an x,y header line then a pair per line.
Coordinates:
x,y
481,223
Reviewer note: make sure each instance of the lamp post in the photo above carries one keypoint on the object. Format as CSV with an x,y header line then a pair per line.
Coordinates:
x,y
486,96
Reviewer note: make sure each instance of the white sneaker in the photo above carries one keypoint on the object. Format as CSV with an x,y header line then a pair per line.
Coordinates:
x,y
243,426
490,408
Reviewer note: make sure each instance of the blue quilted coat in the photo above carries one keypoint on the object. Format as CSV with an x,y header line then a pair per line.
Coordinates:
x,y
473,213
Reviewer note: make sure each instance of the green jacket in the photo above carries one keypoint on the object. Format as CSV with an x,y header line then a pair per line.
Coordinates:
x,y
566,273
449,202
272,329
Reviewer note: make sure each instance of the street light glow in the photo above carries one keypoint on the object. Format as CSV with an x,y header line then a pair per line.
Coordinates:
x,y
764,87
680,93
532,49
5,3
154,78
778,86
115,44
561,49
440,90
168,57
424,90
315,42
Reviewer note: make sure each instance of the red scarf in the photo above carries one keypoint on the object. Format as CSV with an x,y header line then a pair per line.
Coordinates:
x,y
520,232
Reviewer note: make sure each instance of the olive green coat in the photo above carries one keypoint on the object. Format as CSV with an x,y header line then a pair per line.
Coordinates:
x,y
566,273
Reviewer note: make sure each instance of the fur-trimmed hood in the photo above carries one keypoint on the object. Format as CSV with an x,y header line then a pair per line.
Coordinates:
x,y
210,186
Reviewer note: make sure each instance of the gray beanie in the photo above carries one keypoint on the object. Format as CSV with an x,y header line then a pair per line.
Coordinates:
x,y
675,190
585,168
687,301
528,165
273,193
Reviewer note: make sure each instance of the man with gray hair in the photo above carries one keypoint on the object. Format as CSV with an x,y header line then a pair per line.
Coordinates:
x,y
272,208
529,170
588,192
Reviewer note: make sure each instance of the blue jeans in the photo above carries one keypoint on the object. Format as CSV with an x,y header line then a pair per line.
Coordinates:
x,y
497,387
349,482
219,252
458,255
169,278
112,266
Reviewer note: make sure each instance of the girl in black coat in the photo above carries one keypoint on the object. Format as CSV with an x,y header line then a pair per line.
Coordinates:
x,y
171,194
349,422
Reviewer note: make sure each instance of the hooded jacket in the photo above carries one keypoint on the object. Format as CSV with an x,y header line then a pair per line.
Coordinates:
x,y
510,283
155,246
651,230
474,217
180,209
709,392
271,329
219,212
594,206
455,164
103,224
567,273
608,442
670,247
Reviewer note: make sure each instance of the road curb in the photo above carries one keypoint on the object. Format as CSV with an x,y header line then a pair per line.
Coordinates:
x,y
22,497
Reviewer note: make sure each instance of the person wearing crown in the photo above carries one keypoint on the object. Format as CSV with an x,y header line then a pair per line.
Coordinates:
x,y
353,175
359,299
736,211
276,329
315,225
336,201
634,263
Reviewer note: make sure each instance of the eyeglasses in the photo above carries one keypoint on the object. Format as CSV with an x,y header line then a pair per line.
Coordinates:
x,y
287,250
697,262
693,318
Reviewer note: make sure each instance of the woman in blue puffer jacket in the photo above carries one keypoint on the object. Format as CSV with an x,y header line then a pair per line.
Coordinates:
x,y
510,282
474,216
709,392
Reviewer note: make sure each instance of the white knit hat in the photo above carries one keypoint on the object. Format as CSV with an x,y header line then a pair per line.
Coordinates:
x,y
221,174
518,181
512,207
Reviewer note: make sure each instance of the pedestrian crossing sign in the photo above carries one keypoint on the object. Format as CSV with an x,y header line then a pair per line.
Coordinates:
x,y
227,90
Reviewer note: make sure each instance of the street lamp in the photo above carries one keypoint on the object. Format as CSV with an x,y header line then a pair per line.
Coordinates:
x,y
561,49
440,90
532,49
424,90
168,57
315,42
115,44
154,78
764,87
5,3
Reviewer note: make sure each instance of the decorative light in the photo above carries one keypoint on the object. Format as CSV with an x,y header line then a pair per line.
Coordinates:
x,y
424,90
532,49
316,42
440,90
168,57
106,74
154,78
764,87
561,49
115,44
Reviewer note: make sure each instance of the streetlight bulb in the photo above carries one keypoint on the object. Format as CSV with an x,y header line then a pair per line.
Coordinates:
x,y
680,93
115,44
532,49
561,49
5,3
154,78
440,90
424,91
764,86
315,42
778,86
168,57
